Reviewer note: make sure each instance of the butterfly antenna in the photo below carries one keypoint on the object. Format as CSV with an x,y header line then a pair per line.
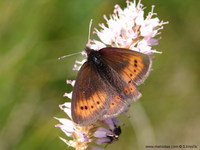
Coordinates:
x,y
90,26
69,55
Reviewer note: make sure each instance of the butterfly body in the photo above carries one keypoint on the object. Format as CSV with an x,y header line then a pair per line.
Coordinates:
x,y
96,61
106,82
98,64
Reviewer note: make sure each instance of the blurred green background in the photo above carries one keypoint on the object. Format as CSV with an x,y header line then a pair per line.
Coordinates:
x,y
33,34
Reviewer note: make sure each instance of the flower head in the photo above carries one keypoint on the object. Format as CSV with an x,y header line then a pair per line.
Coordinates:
x,y
83,135
129,29
125,28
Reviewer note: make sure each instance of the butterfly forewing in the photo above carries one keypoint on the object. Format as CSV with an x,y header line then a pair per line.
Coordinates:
x,y
90,100
131,65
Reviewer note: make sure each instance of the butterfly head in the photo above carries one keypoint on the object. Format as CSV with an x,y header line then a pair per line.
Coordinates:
x,y
93,56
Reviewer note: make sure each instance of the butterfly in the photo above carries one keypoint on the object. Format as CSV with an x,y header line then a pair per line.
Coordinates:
x,y
106,82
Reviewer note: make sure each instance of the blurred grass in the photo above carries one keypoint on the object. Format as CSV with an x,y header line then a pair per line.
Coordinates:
x,y
33,34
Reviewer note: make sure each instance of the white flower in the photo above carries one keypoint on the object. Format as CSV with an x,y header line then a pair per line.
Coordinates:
x,y
129,28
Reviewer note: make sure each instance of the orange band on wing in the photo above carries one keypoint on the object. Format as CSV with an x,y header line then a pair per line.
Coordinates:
x,y
131,71
87,107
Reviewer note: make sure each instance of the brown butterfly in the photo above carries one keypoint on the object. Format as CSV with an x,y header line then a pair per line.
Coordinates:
x,y
106,83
